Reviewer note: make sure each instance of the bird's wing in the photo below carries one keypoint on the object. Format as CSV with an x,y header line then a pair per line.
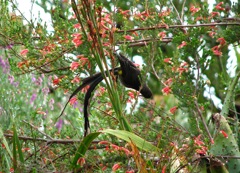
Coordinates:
x,y
86,82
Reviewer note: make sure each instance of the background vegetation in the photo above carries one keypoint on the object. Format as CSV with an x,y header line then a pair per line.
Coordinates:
x,y
190,56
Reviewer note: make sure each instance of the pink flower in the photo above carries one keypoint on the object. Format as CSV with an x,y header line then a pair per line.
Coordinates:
x,y
116,167
24,52
131,95
81,161
212,33
212,141
162,35
128,37
77,39
77,42
84,61
76,79
77,26
85,89
181,70
184,64
56,81
193,9
130,171
173,109
74,66
216,51
218,6
198,141
213,14
221,40
202,149
125,13
168,82
168,60
184,43
73,101
104,142
164,169
166,90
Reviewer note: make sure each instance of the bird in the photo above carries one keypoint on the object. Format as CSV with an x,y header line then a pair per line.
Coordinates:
x,y
129,75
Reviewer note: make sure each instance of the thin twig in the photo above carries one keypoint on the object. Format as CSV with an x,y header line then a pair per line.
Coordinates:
x,y
33,126
58,141
177,26
204,123
177,12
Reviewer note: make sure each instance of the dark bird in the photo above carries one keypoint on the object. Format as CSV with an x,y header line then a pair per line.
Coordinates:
x,y
129,75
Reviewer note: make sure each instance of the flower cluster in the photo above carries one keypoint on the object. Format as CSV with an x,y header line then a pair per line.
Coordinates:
x,y
217,49
201,147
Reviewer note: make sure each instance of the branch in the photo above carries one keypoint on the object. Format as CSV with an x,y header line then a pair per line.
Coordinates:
x,y
50,141
178,26
204,123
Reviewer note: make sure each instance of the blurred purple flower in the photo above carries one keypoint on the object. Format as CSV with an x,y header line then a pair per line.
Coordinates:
x,y
5,65
11,79
9,46
50,104
59,125
50,78
12,82
33,78
75,104
33,98
80,109
45,90
39,81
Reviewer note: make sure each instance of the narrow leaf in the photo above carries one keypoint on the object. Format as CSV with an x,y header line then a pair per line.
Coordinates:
x,y
17,144
86,142
131,137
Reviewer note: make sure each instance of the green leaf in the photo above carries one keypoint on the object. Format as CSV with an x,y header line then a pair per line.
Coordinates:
x,y
4,141
131,137
226,146
86,142
17,146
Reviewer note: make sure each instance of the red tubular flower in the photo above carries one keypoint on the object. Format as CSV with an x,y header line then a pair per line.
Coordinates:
x,y
74,66
218,6
211,34
76,79
216,51
128,37
166,90
56,81
168,60
81,161
164,169
77,26
116,166
221,40
24,52
224,133
173,109
162,35
73,100
184,43
193,9
77,39
131,95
